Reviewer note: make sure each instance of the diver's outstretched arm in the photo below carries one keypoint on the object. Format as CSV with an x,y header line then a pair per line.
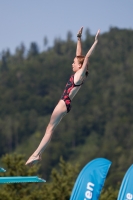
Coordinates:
x,y
89,53
79,45
93,46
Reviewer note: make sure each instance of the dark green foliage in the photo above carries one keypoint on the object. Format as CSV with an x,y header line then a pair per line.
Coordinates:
x,y
110,194
33,51
62,181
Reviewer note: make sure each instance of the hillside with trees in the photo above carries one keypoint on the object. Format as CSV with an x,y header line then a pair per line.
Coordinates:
x,y
100,123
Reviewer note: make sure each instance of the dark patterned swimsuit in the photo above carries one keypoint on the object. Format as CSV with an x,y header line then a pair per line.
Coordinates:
x,y
69,86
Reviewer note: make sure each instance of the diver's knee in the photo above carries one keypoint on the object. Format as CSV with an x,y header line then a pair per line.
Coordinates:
x,y
50,127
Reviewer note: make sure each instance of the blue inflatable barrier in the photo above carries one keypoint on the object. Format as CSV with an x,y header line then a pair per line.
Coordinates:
x,y
91,180
126,189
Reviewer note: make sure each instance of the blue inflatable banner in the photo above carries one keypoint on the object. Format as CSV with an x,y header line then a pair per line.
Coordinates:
x,y
126,189
91,180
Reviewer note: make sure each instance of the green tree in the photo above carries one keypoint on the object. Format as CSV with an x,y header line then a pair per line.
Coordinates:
x,y
34,50
62,181
110,193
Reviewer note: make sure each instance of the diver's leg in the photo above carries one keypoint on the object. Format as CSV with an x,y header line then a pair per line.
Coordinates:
x,y
57,115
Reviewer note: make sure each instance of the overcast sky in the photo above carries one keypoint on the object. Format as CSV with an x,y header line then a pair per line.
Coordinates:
x,y
31,20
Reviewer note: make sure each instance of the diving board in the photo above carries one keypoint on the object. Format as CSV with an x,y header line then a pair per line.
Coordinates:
x,y
21,179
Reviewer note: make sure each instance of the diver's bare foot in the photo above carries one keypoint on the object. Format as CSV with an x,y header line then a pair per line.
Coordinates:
x,y
33,160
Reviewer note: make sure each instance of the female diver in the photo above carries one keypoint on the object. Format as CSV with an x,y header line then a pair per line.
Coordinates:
x,y
80,69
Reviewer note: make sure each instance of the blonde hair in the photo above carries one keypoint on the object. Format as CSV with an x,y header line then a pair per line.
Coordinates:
x,y
81,61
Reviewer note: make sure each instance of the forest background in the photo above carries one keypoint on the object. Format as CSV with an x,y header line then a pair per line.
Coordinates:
x,y
100,123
